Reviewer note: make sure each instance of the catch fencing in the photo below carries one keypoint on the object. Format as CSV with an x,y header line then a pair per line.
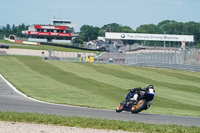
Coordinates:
x,y
183,59
176,59
70,56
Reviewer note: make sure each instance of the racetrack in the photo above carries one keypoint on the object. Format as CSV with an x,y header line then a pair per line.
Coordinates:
x,y
14,101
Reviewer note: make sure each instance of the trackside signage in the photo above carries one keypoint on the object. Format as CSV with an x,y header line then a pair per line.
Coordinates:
x,y
150,37
48,33
50,27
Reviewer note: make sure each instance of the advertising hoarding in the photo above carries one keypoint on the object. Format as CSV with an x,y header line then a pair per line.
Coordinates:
x,y
150,37
50,27
48,33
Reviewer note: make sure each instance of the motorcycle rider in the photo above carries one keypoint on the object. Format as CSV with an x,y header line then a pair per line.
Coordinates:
x,y
135,94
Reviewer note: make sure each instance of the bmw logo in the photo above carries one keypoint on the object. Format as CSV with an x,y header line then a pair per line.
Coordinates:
x,y
122,36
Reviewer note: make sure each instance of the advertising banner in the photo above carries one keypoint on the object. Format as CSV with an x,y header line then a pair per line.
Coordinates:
x,y
48,33
150,37
50,27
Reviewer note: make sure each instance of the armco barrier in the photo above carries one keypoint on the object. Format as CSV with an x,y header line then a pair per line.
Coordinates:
x,y
24,42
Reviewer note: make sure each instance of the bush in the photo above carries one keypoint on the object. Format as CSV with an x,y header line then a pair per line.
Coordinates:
x,y
80,41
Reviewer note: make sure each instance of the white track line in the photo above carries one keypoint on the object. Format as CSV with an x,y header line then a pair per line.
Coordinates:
x,y
16,90
24,95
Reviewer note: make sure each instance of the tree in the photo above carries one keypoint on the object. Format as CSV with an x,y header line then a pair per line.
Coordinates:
x,y
165,26
113,27
79,40
14,29
127,29
150,28
101,33
178,28
88,32
7,30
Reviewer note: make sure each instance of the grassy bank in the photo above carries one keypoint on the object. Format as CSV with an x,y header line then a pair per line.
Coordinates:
x,y
101,85
95,123
43,47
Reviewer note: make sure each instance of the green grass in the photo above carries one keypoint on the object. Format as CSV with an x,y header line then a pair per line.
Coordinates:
x,y
94,123
102,85
43,47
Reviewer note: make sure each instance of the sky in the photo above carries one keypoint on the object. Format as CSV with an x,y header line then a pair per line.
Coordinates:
x,y
131,13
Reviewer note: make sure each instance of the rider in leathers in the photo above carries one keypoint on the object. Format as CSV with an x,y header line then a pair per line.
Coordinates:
x,y
135,94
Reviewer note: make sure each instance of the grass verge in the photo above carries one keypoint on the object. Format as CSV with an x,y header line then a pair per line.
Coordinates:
x,y
84,122
43,47
101,85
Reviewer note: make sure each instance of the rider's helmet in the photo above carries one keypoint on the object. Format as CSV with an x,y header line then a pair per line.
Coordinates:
x,y
150,87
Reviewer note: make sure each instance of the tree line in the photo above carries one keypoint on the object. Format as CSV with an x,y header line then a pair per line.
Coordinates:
x,y
15,30
88,32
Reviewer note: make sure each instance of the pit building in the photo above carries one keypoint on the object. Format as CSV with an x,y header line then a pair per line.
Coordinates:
x,y
61,31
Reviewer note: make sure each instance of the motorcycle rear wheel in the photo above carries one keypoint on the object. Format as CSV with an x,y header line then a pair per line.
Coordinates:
x,y
139,107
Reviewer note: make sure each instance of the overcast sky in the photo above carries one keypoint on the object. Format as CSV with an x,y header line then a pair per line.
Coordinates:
x,y
131,13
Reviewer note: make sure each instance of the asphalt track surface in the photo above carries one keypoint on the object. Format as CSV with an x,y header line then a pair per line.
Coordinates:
x,y
12,100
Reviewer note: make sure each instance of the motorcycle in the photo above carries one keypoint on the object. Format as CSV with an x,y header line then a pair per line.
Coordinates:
x,y
143,103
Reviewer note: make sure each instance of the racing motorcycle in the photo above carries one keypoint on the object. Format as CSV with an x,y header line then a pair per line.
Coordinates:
x,y
143,102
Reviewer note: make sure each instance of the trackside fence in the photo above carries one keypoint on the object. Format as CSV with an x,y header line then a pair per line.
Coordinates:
x,y
175,59
182,59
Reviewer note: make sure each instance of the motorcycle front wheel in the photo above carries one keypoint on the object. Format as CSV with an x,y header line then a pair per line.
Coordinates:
x,y
120,108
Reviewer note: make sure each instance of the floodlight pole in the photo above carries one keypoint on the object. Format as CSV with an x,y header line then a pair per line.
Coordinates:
x,y
164,40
